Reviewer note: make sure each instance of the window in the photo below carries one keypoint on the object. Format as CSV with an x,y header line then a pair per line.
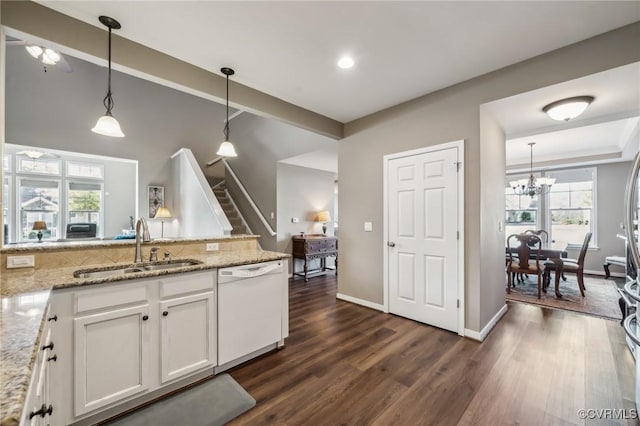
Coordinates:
x,y
42,166
84,202
521,213
571,209
39,201
567,212
85,170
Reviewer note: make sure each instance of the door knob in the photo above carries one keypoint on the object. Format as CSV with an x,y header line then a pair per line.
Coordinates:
x,y
391,244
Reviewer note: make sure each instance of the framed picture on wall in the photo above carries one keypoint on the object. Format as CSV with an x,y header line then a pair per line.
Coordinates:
x,y
156,199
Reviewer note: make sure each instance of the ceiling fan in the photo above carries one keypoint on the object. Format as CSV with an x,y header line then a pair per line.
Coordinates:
x,y
46,55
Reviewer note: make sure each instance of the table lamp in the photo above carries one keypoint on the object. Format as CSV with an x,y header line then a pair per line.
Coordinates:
x,y
162,213
39,225
323,217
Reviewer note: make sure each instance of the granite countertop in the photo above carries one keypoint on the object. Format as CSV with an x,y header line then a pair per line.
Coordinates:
x,y
25,294
62,245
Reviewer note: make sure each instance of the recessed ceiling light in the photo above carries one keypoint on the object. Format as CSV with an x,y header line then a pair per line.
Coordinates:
x,y
346,62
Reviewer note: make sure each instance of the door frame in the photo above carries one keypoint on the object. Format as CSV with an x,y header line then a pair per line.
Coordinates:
x,y
459,144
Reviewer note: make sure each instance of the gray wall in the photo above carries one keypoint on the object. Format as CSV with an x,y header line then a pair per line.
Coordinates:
x,y
610,190
260,144
447,115
302,192
57,110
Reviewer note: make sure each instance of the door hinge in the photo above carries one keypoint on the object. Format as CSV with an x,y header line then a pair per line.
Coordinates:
x,y
458,164
458,304
458,235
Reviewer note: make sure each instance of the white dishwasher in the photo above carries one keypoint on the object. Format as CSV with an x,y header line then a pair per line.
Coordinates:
x,y
253,311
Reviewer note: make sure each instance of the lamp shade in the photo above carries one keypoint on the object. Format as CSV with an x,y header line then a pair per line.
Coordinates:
x,y
39,225
567,109
323,216
162,213
227,150
108,126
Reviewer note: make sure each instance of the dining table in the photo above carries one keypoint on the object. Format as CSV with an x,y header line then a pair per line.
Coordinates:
x,y
554,251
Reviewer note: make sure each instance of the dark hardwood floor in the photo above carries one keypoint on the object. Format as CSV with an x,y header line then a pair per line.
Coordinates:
x,y
348,365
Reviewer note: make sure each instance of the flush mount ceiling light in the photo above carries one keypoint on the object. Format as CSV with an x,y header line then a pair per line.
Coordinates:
x,y
226,148
566,109
532,186
107,125
346,62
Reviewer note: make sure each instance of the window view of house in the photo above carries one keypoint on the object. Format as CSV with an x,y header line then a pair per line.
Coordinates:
x,y
58,191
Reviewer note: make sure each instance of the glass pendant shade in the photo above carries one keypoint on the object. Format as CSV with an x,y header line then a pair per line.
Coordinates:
x,y
108,126
34,50
226,150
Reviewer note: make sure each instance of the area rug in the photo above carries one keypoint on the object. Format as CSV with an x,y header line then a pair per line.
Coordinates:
x,y
601,296
212,403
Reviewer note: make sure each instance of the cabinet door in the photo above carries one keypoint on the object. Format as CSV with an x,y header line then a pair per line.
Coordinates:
x,y
188,335
111,357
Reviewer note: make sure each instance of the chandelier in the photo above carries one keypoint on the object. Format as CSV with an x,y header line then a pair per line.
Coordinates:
x,y
532,186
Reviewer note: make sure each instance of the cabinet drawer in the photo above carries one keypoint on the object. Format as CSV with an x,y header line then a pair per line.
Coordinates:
x,y
173,285
89,300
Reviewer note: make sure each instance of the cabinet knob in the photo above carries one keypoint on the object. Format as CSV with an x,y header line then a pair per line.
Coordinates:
x,y
165,313
53,358
53,318
49,346
145,317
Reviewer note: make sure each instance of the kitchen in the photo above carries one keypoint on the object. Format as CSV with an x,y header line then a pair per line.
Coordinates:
x,y
353,283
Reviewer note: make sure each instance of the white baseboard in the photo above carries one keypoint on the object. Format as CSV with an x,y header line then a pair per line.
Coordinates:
x,y
376,306
601,273
487,328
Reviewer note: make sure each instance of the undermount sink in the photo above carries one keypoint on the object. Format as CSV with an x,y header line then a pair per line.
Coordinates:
x,y
111,271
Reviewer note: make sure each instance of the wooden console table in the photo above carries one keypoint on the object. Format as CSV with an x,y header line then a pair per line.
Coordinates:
x,y
314,246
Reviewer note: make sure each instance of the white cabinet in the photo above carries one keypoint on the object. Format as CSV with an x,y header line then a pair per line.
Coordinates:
x,y
119,350
111,357
187,335
187,313
38,409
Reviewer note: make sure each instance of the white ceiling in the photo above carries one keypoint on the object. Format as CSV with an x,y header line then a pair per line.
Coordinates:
x,y
607,131
325,159
402,49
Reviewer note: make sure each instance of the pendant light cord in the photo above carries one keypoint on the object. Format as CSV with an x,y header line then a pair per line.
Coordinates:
x,y
108,100
226,123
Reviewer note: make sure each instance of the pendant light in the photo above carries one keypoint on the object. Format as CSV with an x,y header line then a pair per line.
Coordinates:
x,y
226,148
107,125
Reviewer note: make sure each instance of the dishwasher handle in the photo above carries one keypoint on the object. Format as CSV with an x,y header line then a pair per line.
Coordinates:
x,y
255,271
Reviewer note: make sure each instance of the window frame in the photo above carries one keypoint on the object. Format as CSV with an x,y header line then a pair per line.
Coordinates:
x,y
544,210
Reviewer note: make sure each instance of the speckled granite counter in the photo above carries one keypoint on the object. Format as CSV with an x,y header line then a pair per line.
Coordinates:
x,y
24,297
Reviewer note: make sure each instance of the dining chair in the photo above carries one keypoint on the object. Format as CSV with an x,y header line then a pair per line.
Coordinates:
x,y
574,266
526,259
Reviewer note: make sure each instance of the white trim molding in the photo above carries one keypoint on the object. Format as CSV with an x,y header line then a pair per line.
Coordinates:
x,y
361,302
471,334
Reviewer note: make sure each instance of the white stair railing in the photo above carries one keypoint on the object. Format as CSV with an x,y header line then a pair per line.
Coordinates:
x,y
194,197
245,193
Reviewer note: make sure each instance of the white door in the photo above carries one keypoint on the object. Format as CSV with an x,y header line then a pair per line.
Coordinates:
x,y
102,342
188,335
422,246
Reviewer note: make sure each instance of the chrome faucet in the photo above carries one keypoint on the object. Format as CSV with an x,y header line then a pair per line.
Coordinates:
x,y
145,237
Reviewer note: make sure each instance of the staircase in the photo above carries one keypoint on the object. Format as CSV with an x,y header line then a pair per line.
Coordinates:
x,y
230,210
